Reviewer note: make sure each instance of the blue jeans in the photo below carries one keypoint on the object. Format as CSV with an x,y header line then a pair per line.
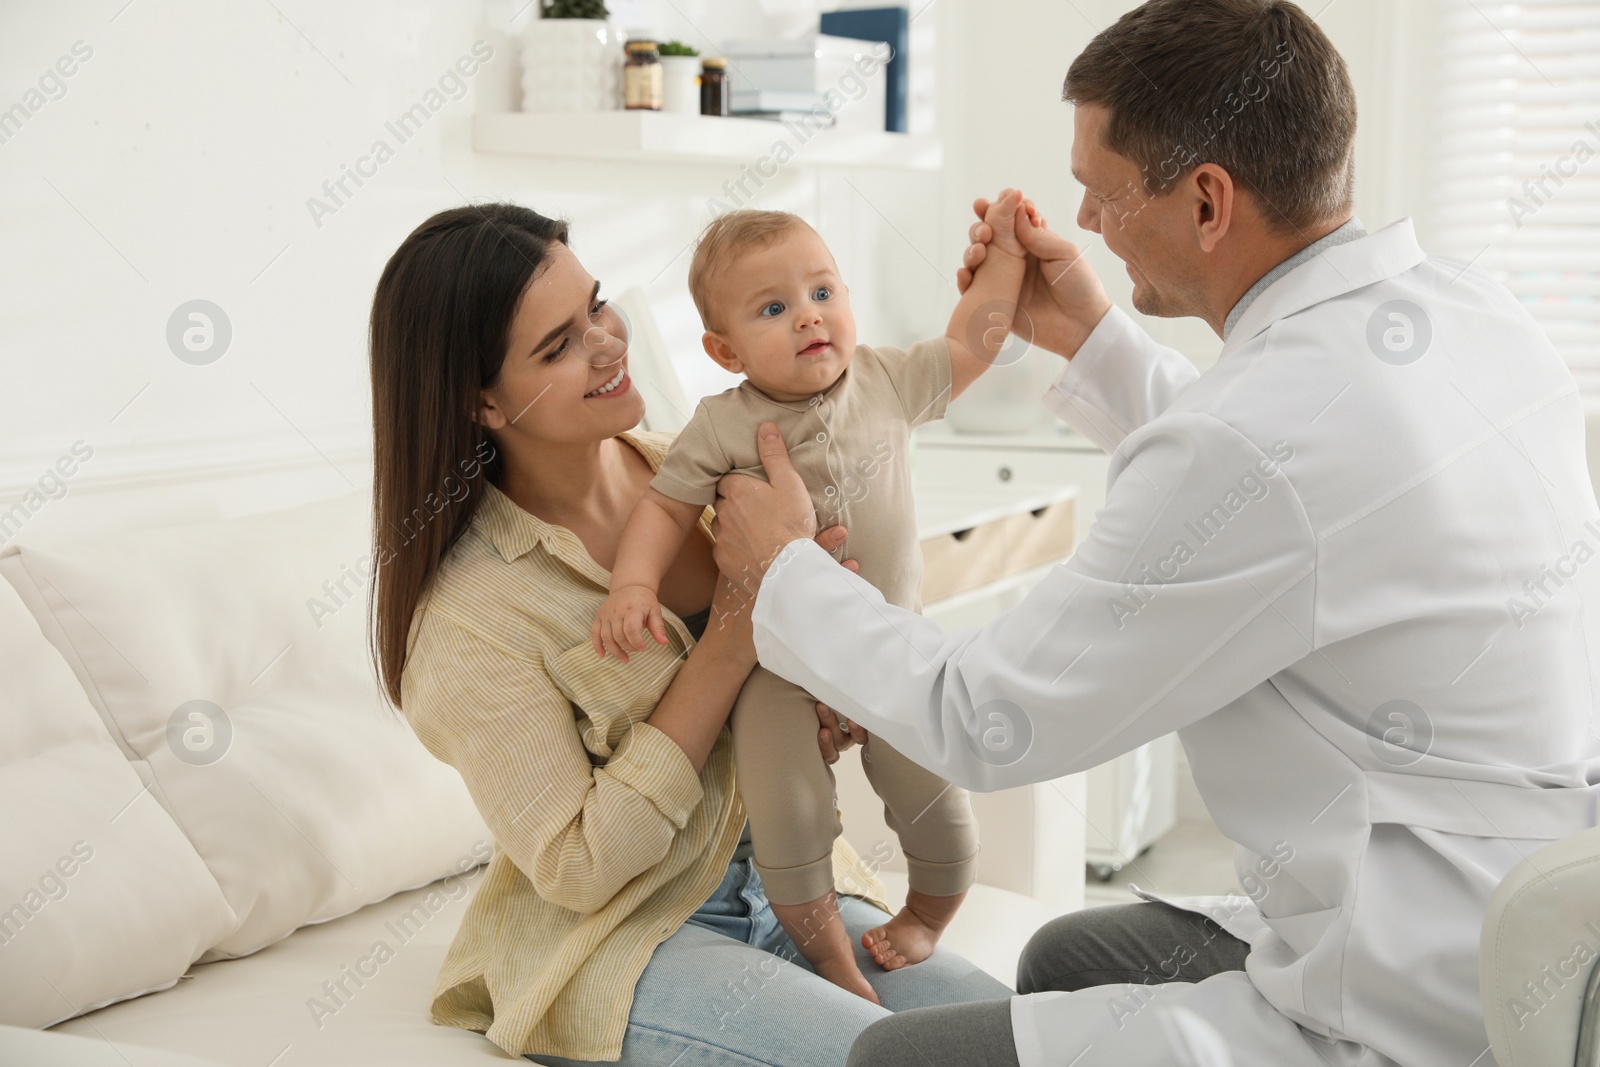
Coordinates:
x,y
729,989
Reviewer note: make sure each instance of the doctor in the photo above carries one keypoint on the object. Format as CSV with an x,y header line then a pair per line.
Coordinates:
x,y
1356,565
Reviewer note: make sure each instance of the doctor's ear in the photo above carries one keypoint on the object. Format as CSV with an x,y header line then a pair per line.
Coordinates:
x,y
1214,203
718,348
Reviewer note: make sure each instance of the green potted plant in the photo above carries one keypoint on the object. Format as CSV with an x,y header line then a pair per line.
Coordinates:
x,y
680,78
574,9
571,58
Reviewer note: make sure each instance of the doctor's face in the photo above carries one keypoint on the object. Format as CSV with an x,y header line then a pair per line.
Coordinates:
x,y
1153,235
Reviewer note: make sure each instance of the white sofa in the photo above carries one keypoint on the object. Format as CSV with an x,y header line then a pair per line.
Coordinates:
x,y
221,845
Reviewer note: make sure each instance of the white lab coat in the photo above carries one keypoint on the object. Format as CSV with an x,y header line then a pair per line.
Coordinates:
x,y
1336,517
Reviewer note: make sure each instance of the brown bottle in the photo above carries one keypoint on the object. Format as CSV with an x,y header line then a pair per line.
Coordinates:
x,y
714,86
642,86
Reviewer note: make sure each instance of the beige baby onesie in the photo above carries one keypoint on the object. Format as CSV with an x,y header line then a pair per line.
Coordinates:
x,y
850,444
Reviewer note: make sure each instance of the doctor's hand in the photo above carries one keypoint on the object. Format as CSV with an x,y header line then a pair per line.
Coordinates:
x,y
755,519
833,738
1062,298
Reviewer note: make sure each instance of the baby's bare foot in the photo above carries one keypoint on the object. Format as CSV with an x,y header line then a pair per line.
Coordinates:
x,y
819,933
900,942
846,975
911,935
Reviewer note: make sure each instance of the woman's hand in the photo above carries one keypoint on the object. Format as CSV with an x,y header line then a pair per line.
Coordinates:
x,y
834,738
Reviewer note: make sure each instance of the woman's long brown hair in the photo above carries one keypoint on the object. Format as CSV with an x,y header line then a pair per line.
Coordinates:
x,y
440,320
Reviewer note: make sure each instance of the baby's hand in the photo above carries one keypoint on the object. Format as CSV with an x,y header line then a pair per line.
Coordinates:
x,y
1002,219
620,624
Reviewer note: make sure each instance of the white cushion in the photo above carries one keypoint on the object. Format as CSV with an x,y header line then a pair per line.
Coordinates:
x,y
329,994
306,797
40,1048
103,896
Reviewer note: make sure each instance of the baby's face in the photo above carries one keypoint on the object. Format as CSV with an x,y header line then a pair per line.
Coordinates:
x,y
785,317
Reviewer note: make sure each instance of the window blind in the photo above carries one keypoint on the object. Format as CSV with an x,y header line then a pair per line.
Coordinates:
x,y
1516,159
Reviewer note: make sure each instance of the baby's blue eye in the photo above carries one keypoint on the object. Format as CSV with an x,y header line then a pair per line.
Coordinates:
x,y
775,304
823,292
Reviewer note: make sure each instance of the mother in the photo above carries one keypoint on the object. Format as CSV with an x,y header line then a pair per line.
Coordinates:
x,y
620,916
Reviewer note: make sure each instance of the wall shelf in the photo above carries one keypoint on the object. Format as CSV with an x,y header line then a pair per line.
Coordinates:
x,y
653,136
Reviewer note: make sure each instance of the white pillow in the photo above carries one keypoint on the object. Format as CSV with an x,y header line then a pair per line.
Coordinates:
x,y
306,796
103,897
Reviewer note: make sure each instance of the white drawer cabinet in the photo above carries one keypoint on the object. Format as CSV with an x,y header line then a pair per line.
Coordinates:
x,y
1130,799
1050,458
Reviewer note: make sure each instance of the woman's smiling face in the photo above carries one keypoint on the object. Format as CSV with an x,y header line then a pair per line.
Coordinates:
x,y
565,374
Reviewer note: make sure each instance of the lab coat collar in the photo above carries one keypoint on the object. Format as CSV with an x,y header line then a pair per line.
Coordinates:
x,y
1341,269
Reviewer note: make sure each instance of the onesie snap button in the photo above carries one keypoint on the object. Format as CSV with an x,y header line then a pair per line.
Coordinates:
x,y
822,436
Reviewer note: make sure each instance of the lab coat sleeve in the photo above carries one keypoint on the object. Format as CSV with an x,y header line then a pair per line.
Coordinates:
x,y
1119,380
1194,586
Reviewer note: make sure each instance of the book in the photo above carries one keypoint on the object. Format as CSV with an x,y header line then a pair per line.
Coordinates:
x,y
808,119
746,100
891,24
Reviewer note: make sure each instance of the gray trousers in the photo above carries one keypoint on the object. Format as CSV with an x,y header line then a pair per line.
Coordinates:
x,y
1097,946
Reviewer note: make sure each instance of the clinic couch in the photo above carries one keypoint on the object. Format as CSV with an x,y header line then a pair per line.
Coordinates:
x,y
221,846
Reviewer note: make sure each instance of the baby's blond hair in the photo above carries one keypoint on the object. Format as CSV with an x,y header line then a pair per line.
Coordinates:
x,y
721,243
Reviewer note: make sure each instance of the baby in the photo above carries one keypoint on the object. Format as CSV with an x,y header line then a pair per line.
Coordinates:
x,y
775,310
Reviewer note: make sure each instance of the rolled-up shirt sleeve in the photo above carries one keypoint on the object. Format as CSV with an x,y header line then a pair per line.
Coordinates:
x,y
579,831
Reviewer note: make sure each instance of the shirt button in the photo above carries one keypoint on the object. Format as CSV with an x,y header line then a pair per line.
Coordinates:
x,y
822,436
828,491
814,401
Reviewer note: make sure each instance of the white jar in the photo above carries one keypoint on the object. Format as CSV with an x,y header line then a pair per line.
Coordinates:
x,y
571,65
681,84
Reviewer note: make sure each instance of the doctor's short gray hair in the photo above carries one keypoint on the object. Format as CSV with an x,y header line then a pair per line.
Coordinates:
x,y
1253,86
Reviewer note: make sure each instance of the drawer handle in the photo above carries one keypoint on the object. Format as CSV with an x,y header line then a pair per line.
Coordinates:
x,y
1039,512
962,535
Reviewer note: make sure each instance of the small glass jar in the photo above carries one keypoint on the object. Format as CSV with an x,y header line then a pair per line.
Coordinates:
x,y
714,86
642,85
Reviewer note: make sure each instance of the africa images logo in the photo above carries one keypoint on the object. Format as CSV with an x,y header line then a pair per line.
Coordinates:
x,y
1004,735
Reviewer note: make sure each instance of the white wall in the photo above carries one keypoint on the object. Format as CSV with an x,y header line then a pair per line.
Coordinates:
x,y
178,162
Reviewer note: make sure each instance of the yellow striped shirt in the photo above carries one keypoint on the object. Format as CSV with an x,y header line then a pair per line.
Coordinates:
x,y
605,838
